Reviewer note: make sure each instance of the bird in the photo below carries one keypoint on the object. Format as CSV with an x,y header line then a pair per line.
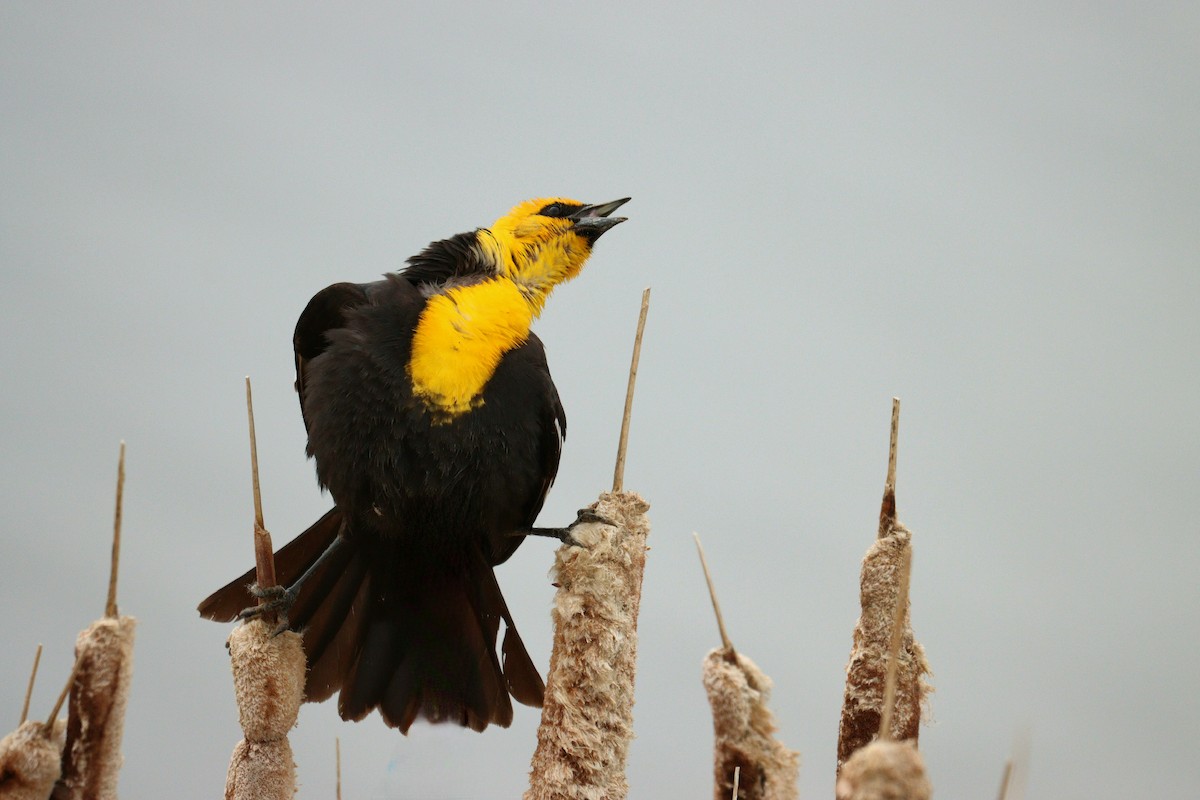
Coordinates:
x,y
437,430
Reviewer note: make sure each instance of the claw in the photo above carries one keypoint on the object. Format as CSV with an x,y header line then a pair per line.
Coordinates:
x,y
583,517
564,535
279,600
590,514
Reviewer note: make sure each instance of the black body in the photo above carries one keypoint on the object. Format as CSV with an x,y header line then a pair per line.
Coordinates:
x,y
404,617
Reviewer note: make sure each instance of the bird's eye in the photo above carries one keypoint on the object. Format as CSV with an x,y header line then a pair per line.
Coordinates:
x,y
552,210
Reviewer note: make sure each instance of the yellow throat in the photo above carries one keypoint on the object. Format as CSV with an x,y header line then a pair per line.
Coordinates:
x,y
460,338
465,329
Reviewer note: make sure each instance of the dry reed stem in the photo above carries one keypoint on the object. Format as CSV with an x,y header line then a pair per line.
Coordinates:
x,y
264,553
337,748
884,770
1016,769
712,595
587,718
31,760
893,663
268,682
37,658
62,696
96,712
737,782
110,606
1004,780
619,471
880,595
887,509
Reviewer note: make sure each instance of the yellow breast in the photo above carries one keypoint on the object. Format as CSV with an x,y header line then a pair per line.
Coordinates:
x,y
460,338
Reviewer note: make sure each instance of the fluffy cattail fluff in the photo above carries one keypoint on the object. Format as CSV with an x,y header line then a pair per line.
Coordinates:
x,y
587,719
268,680
743,729
884,770
862,706
96,720
31,760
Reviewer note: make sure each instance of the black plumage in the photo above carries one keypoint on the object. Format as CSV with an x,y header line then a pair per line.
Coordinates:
x,y
404,614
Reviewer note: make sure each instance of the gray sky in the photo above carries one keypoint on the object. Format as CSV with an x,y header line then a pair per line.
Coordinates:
x,y
991,213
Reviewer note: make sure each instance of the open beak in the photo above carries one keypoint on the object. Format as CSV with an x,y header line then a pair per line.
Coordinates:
x,y
591,221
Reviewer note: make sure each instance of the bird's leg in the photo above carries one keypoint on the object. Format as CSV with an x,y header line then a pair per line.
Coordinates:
x,y
564,535
280,599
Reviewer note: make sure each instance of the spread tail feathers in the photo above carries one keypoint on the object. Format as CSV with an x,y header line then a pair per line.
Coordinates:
x,y
413,640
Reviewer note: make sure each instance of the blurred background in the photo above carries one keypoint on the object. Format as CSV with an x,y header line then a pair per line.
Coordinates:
x,y
990,212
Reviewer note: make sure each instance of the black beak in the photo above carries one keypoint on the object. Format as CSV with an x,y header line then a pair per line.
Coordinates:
x,y
591,221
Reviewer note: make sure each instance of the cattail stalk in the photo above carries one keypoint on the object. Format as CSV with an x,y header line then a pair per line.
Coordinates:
x,y
268,679
744,731
883,601
37,659
587,718
884,770
31,756
92,757
1005,777
264,551
623,439
744,742
31,760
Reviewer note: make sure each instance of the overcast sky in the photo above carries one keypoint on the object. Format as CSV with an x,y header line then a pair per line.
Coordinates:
x,y
991,212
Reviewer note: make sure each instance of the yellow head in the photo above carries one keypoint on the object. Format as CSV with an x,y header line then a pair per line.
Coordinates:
x,y
543,242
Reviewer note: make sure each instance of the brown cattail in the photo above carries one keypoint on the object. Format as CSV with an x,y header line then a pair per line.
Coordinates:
x,y
96,711
884,770
92,757
268,680
743,731
748,762
31,756
31,760
587,719
881,592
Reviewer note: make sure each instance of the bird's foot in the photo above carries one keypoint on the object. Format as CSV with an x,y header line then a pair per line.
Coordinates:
x,y
566,535
590,514
276,600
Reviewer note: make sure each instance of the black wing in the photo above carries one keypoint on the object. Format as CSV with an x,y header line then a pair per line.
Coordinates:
x,y
522,398
553,435
326,311
544,419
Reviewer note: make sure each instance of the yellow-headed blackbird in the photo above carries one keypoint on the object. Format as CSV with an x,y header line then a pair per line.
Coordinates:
x,y
437,430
